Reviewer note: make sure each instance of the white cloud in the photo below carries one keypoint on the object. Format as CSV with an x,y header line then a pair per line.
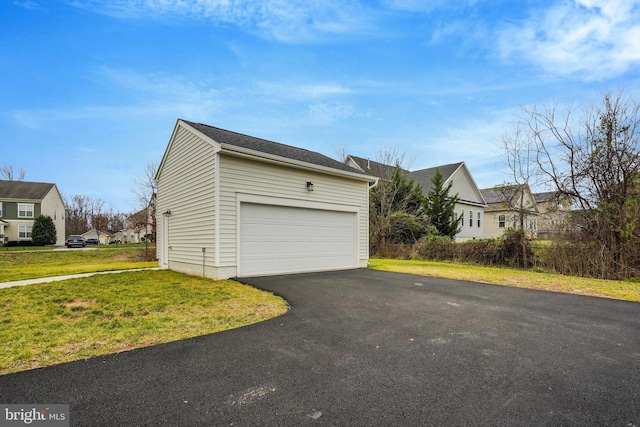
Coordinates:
x,y
304,91
588,39
428,6
324,113
29,4
289,21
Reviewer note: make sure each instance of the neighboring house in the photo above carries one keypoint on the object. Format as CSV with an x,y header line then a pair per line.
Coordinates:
x,y
554,209
140,225
506,204
21,202
470,204
104,237
234,205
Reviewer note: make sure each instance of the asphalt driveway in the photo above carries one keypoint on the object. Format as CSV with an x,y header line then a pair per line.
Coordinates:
x,y
364,347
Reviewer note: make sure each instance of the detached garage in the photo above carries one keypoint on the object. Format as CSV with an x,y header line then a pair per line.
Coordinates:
x,y
234,205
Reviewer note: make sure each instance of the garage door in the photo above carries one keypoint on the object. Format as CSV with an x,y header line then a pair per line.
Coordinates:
x,y
280,239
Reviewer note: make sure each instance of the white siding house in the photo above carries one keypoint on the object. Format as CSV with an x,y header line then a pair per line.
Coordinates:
x,y
234,205
470,204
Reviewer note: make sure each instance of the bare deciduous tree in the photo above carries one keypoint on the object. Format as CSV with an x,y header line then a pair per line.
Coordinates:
x,y
99,219
593,157
145,189
7,173
77,214
519,153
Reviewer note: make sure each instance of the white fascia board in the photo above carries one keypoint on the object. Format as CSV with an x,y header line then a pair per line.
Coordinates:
x,y
270,158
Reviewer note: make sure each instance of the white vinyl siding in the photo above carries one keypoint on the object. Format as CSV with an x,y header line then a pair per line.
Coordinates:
x,y
244,176
203,186
187,188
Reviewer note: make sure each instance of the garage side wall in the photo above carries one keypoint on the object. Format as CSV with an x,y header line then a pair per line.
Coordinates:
x,y
186,187
243,176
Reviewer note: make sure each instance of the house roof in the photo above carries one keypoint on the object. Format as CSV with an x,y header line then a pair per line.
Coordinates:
x,y
235,139
423,177
375,168
500,194
24,190
548,196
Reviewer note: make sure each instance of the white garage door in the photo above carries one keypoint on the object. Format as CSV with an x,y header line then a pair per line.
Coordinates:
x,y
280,239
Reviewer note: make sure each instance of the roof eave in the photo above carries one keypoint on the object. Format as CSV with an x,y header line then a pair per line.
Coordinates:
x,y
270,158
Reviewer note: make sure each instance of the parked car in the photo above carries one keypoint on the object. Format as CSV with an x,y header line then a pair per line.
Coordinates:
x,y
75,241
92,242
115,242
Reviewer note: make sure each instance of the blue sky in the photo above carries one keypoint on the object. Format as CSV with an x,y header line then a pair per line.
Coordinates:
x,y
90,90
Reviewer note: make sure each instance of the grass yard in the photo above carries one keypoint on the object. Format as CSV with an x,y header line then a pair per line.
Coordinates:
x,y
56,322
21,265
629,291
26,248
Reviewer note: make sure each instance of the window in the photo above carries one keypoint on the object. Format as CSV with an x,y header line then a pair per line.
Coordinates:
x,y
24,232
25,210
470,218
478,218
0,209
462,217
501,221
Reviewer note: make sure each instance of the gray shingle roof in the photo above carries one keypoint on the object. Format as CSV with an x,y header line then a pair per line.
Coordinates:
x,y
24,190
423,177
501,194
378,169
548,196
223,136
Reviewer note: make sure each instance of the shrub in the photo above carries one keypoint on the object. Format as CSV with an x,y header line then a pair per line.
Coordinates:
x,y
43,231
515,249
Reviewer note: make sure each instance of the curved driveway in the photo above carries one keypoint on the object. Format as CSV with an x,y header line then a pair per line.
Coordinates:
x,y
369,348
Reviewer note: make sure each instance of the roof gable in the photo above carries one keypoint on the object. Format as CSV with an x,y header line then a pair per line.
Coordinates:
x,y
508,195
222,136
24,190
501,194
424,176
378,169
459,174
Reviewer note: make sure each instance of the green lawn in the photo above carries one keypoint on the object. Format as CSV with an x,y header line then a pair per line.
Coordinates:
x,y
56,322
629,291
21,265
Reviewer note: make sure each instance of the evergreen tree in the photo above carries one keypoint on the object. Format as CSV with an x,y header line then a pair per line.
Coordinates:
x,y
43,231
397,211
440,207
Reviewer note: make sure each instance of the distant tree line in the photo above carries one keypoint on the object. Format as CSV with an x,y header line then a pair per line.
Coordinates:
x,y
84,214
